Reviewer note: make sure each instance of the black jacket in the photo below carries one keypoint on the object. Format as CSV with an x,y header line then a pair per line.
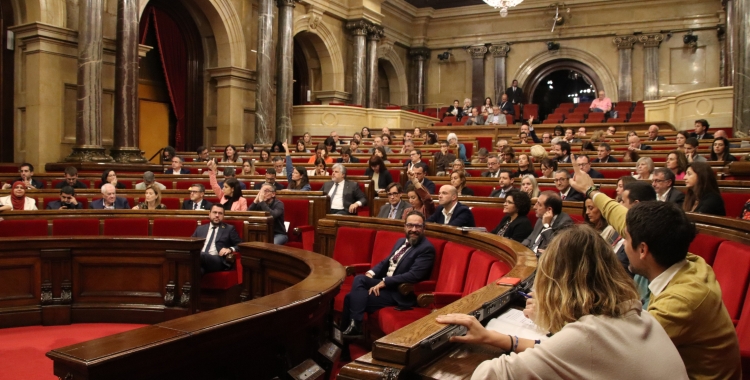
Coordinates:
x,y
413,267
384,179
276,209
462,216
204,205
518,230
712,204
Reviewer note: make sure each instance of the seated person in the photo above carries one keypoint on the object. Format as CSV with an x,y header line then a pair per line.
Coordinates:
x,y
110,200
230,172
177,167
419,171
450,211
415,158
152,200
585,165
221,240
196,201
67,200
346,196
395,207
601,104
347,157
266,201
270,179
583,297
562,183
410,261
71,179
443,159
683,294
550,220
109,176
505,184
230,194
149,179
515,224
17,200
482,157
27,177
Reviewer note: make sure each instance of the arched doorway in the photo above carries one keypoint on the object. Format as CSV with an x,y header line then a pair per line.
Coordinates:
x,y
6,85
174,67
557,81
384,89
301,91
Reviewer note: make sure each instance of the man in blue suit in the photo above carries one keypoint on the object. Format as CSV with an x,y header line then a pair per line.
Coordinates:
x,y
110,200
221,240
177,167
410,261
451,211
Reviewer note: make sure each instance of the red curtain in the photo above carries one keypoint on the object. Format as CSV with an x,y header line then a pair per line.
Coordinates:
x,y
173,53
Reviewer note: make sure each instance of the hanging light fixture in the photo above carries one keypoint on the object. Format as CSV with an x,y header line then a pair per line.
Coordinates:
x,y
503,5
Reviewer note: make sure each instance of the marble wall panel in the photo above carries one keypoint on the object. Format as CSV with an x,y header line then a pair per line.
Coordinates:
x,y
687,66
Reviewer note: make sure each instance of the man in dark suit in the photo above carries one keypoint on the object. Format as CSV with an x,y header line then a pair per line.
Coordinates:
x,y
346,196
562,183
561,152
550,220
583,162
420,170
27,177
663,183
493,166
505,182
196,201
177,167
603,154
506,107
635,143
347,157
71,179
450,211
701,130
221,240
455,110
515,94
67,200
110,200
653,133
395,207
410,261
270,179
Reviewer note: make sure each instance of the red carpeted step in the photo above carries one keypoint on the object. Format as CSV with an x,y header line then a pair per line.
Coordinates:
x,y
22,349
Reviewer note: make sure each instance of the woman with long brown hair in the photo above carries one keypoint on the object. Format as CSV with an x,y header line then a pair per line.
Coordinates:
x,y
703,194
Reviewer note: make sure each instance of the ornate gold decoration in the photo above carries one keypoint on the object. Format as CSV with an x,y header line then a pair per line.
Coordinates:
x,y
651,40
477,52
624,42
500,50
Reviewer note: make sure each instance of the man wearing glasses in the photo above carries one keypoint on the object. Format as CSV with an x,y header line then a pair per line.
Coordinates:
x,y
663,183
410,261
395,207
493,167
585,165
196,201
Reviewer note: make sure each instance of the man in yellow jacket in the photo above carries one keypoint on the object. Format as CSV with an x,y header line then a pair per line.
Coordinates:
x,y
685,296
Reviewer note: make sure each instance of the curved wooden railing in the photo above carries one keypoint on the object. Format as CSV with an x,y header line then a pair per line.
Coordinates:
x,y
261,338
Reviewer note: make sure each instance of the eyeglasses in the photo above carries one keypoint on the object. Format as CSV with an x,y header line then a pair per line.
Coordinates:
x,y
413,226
195,191
393,194
560,179
658,180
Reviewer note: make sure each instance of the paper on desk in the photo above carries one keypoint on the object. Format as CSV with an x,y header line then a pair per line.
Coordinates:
x,y
513,322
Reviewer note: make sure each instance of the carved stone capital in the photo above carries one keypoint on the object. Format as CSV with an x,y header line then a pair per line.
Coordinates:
x,y
375,32
420,53
86,153
624,42
358,27
651,40
477,52
285,3
500,50
128,155
314,19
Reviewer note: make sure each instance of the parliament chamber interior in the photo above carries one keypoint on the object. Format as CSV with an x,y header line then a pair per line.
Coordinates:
x,y
385,189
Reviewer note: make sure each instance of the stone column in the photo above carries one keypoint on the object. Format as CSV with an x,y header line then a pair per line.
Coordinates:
x,y
625,74
373,37
359,30
726,39
125,148
284,70
89,105
741,54
477,73
651,44
419,56
500,52
264,131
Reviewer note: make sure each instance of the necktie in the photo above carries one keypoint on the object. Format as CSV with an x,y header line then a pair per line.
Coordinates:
x,y
333,192
392,215
210,241
400,252
195,206
563,196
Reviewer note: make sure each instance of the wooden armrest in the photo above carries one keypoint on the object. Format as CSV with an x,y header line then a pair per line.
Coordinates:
x,y
406,288
426,299
355,269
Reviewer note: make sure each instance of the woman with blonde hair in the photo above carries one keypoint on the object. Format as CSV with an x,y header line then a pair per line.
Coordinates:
x,y
538,153
248,168
458,180
458,166
152,199
644,169
585,298
530,186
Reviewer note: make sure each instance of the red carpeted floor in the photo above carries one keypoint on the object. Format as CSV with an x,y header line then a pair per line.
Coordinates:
x,y
23,349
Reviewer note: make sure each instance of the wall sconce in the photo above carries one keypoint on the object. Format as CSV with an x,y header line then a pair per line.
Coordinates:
x,y
690,40
551,46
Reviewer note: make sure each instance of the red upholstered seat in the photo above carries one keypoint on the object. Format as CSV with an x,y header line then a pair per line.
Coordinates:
x,y
75,227
617,120
479,269
497,270
614,173
226,279
453,266
482,190
354,247
732,269
186,183
706,246
126,227
577,218
172,203
297,213
174,227
487,217
743,333
21,228
238,225
734,203
596,117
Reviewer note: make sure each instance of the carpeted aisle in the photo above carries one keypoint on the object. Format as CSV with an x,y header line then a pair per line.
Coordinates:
x,y
23,349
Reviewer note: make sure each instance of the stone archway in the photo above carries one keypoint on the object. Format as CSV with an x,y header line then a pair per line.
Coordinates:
x,y
326,49
395,72
533,69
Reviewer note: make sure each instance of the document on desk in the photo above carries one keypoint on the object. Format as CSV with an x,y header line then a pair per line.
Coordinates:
x,y
513,322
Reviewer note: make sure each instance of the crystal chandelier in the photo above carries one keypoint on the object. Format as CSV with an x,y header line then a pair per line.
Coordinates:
x,y
503,5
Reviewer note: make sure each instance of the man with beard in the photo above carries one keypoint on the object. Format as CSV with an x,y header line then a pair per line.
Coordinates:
x,y
410,261
221,242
